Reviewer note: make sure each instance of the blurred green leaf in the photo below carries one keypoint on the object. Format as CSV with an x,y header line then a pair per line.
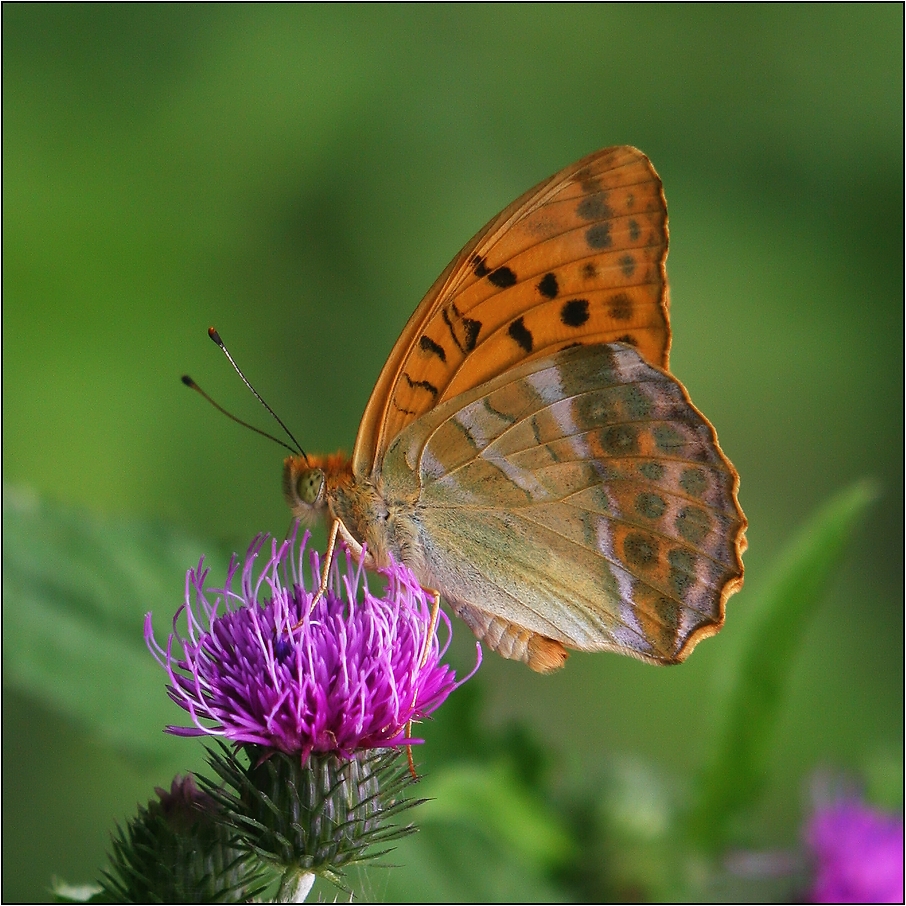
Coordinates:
x,y
483,837
482,840
882,773
733,778
493,798
625,822
463,735
75,590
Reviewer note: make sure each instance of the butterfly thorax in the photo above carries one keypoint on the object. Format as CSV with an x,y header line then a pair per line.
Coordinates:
x,y
326,487
383,519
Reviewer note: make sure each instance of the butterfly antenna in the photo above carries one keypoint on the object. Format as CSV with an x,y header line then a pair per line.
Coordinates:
x,y
193,386
212,333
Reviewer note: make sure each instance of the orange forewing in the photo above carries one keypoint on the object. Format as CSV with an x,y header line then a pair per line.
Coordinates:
x,y
579,258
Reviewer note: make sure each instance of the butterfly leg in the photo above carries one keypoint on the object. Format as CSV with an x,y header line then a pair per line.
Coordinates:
x,y
423,659
328,560
432,627
325,573
409,757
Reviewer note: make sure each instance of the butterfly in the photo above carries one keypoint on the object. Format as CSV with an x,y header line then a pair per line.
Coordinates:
x,y
527,453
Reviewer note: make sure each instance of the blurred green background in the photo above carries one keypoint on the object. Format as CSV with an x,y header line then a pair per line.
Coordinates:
x,y
299,175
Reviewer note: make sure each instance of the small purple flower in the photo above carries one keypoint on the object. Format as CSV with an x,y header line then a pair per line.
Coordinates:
x,y
858,853
260,666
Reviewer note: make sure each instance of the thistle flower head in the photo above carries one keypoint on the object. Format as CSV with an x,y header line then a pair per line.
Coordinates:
x,y
259,665
177,851
858,853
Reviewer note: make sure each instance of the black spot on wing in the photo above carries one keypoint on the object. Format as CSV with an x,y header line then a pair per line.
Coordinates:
x,y
620,307
667,439
627,265
521,334
594,207
421,385
403,409
589,271
589,182
502,277
426,344
668,618
468,327
574,313
548,286
682,571
641,550
652,470
693,524
620,440
694,482
634,230
598,236
651,506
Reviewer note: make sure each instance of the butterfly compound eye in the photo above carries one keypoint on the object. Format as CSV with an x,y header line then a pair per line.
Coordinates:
x,y
310,486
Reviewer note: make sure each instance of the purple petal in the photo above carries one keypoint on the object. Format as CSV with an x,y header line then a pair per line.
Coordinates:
x,y
261,666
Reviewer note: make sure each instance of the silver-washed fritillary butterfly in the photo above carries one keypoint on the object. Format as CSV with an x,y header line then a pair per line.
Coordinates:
x,y
525,450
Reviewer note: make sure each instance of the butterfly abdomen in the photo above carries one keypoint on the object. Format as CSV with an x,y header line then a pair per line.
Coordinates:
x,y
513,642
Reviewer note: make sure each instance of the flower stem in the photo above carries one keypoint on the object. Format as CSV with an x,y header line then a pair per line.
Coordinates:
x,y
295,886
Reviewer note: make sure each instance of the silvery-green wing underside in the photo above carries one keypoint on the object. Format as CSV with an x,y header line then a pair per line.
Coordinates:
x,y
580,497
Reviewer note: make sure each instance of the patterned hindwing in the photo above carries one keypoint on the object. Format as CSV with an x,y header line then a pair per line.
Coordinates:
x,y
581,497
579,259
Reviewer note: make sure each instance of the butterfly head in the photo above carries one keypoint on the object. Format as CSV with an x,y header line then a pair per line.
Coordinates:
x,y
307,483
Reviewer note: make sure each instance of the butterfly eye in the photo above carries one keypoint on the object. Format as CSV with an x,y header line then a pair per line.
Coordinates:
x,y
310,486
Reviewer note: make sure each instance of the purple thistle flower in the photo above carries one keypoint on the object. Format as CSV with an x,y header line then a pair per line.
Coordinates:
x,y
350,677
858,854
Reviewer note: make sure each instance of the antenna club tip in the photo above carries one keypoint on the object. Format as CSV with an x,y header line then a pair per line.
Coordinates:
x,y
187,381
212,333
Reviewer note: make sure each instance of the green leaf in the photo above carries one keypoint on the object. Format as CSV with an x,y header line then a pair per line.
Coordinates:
x,y
492,797
76,588
457,861
733,778
483,838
